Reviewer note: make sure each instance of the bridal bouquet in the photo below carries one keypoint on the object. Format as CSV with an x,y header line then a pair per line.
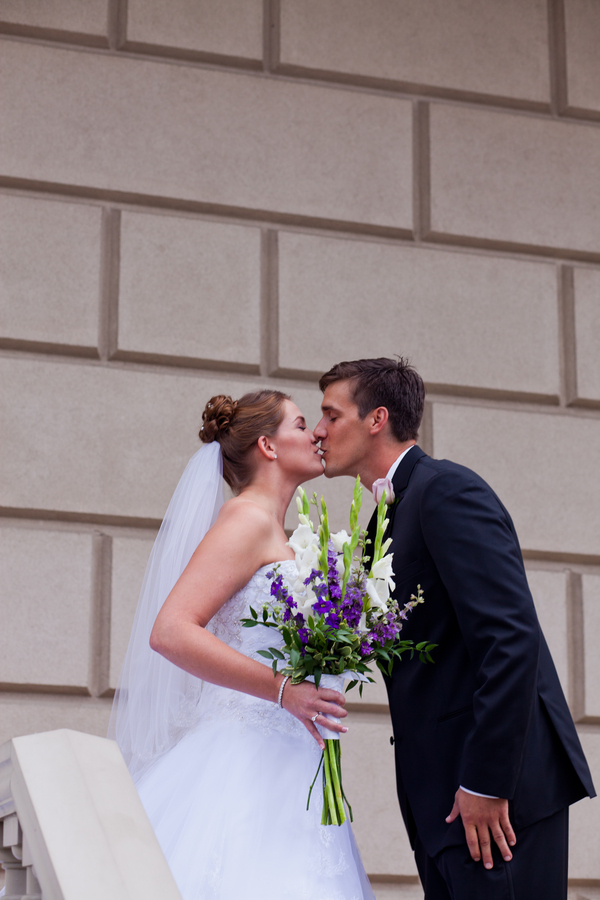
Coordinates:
x,y
336,617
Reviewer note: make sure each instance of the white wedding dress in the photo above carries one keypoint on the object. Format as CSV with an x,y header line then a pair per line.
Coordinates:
x,y
228,802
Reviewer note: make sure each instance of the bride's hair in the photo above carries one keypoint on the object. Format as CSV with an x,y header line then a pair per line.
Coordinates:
x,y
237,426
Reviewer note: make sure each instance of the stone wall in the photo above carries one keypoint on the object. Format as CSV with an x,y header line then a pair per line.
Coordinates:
x,y
210,195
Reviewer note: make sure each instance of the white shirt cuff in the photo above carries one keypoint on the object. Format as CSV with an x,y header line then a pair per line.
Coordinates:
x,y
476,794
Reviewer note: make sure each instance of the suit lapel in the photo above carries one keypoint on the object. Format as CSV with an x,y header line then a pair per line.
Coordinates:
x,y
400,483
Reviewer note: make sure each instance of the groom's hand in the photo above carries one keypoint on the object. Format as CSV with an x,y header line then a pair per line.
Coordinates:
x,y
482,816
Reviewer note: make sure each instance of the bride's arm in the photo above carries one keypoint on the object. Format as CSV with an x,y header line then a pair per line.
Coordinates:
x,y
240,542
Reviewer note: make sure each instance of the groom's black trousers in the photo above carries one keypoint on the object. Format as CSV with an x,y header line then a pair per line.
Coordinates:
x,y
538,868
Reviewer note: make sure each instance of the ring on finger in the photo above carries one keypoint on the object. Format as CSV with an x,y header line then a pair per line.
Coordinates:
x,y
315,716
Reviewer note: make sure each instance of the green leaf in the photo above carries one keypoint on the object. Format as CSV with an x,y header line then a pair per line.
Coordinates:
x,y
253,613
266,654
276,653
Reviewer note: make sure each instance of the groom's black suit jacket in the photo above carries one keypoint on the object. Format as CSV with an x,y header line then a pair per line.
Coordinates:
x,y
490,713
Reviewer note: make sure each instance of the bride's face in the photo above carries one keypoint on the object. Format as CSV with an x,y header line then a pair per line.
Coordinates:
x,y
296,446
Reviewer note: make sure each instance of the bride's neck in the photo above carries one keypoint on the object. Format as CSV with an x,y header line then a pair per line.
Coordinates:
x,y
272,493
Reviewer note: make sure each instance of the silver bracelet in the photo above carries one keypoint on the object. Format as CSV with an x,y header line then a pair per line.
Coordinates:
x,y
281,687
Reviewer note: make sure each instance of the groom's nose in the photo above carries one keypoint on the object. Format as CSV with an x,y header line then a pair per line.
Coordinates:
x,y
320,431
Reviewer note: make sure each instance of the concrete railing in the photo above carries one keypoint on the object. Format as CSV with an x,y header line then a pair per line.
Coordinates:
x,y
72,825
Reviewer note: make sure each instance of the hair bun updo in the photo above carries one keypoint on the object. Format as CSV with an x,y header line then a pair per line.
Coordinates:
x,y
217,417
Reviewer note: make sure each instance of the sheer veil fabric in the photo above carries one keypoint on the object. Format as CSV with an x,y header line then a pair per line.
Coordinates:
x,y
156,702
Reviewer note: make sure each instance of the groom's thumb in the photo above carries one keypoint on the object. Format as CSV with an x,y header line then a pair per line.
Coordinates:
x,y
453,814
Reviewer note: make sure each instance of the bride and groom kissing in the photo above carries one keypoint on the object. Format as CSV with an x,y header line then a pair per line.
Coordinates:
x,y
487,756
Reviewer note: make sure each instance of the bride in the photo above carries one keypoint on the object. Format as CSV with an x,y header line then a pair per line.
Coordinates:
x,y
222,752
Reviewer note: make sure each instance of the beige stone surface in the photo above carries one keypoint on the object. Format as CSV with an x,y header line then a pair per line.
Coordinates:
x,y
591,630
470,46
463,319
115,441
50,274
373,694
46,595
395,891
584,819
89,17
370,784
587,332
502,177
228,27
32,713
549,590
538,463
129,559
582,22
224,138
189,288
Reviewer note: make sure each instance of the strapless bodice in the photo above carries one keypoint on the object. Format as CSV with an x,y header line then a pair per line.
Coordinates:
x,y
226,624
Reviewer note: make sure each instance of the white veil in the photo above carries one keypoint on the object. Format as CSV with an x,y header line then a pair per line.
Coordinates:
x,y
156,702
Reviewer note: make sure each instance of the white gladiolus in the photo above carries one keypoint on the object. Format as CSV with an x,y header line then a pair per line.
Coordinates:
x,y
302,538
362,625
383,569
339,539
305,601
377,590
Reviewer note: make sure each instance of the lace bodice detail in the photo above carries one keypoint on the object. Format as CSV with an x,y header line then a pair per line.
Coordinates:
x,y
226,624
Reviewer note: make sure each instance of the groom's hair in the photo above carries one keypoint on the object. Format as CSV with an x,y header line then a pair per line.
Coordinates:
x,y
392,383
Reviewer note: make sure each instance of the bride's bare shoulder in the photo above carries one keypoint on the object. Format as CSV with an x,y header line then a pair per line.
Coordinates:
x,y
245,513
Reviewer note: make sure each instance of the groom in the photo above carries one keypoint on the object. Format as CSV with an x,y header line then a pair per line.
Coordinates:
x,y
487,756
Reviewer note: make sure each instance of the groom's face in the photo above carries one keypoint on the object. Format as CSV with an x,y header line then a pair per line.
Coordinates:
x,y
344,436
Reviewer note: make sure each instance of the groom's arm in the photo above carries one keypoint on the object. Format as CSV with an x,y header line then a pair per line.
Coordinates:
x,y
479,562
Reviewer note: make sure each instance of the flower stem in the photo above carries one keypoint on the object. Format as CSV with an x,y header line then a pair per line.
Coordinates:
x,y
327,784
335,778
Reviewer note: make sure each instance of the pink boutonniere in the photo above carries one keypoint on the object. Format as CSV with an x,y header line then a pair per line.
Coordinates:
x,y
381,485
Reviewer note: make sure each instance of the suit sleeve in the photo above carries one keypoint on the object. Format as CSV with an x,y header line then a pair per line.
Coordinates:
x,y
476,552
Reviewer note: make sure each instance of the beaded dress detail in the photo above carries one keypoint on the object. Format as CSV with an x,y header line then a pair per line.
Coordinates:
x,y
228,802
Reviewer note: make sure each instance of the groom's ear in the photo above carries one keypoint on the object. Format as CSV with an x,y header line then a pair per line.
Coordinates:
x,y
378,419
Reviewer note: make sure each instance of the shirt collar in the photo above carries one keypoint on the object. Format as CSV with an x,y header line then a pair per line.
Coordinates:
x,y
394,466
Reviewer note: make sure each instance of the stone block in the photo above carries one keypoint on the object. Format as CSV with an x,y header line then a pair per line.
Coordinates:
x,y
587,332
584,820
224,27
370,784
397,891
129,559
463,319
582,22
115,442
464,46
549,590
591,639
46,607
502,177
222,137
189,288
57,15
50,281
31,713
372,695
538,463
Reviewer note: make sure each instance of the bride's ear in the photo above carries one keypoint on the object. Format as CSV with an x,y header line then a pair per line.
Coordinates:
x,y
266,448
